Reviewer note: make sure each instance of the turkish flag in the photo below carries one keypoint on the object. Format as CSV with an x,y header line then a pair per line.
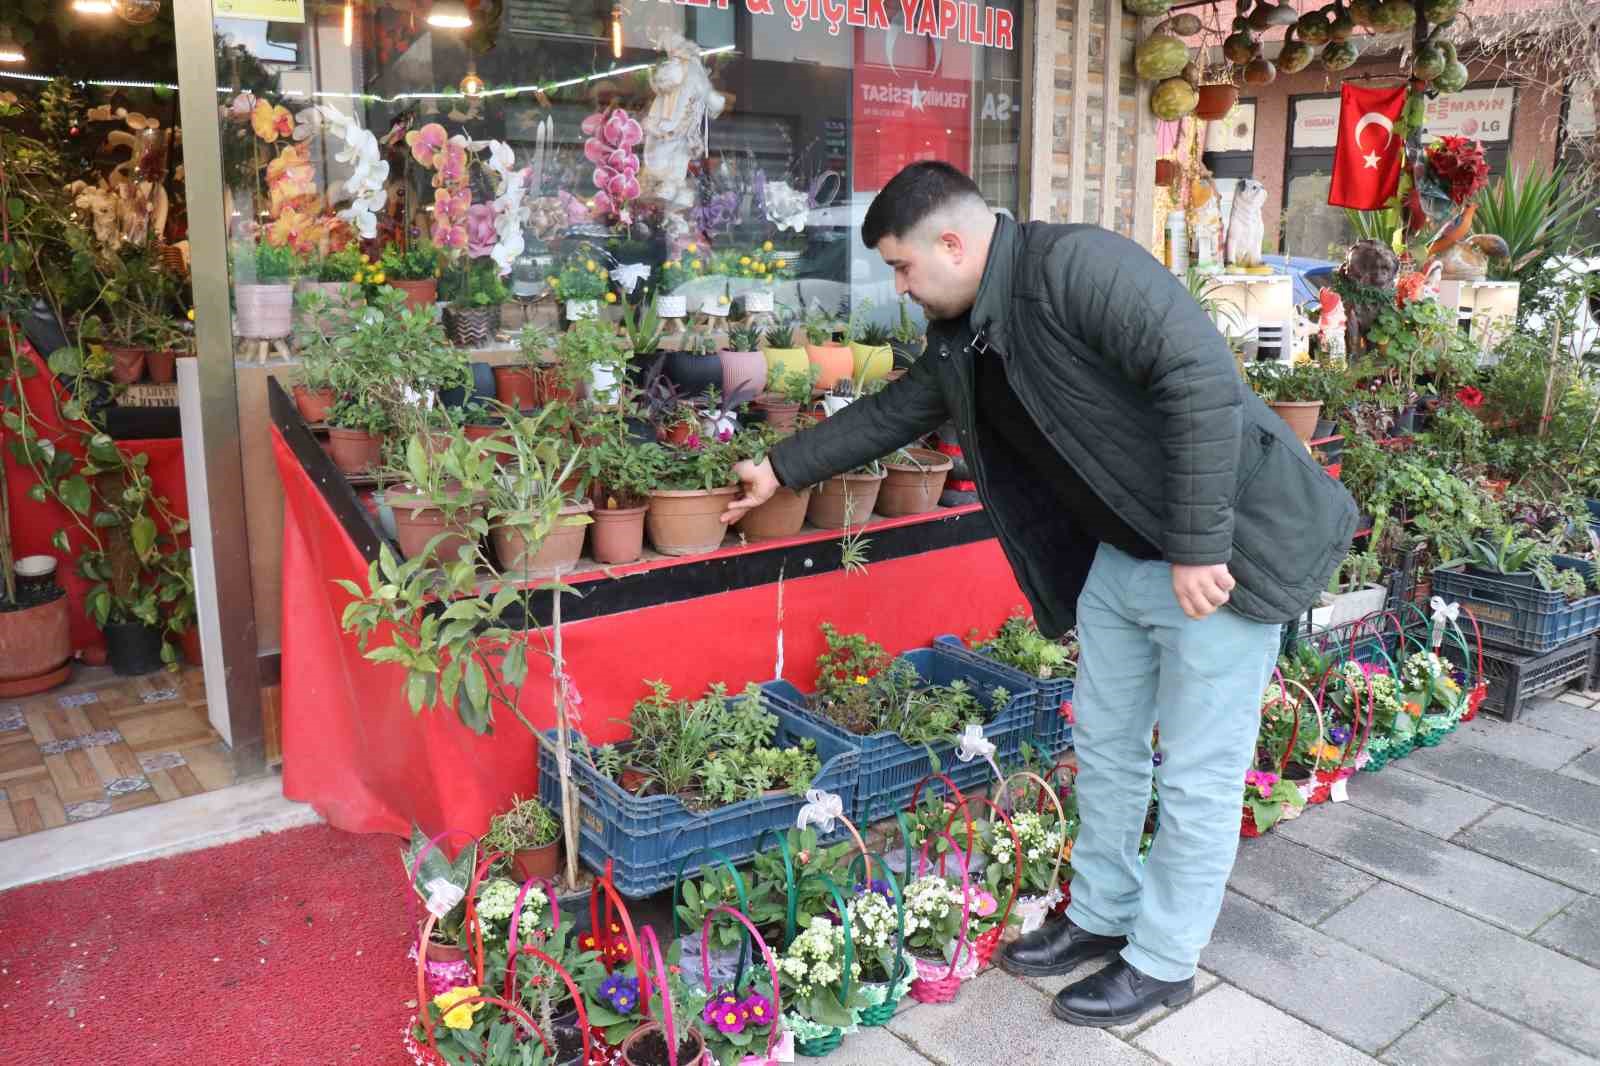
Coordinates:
x,y
1366,158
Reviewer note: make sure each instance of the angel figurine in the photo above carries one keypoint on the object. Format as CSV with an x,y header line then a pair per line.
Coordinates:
x,y
675,126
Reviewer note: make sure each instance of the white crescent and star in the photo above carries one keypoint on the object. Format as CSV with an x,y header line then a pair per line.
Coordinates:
x,y
1370,160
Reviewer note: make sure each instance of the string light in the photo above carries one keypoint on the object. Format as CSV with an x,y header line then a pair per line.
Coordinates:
x,y
616,33
10,50
471,85
449,15
349,23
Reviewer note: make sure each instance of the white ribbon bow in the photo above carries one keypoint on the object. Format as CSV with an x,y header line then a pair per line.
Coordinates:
x,y
821,809
628,275
443,896
1443,614
972,745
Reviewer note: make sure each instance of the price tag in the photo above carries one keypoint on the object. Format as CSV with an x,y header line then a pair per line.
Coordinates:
x,y
1338,793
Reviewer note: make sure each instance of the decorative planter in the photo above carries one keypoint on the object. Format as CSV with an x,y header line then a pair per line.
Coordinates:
x,y
537,862
856,492
354,451
936,981
673,306
870,363
516,386
133,648
913,488
581,309
314,404
742,370
1301,415
687,522
421,294
418,521
833,360
693,373
471,327
758,300
127,365
35,646
437,952
618,534
263,312
792,360
780,414
161,366
602,385
1216,101
781,516
557,554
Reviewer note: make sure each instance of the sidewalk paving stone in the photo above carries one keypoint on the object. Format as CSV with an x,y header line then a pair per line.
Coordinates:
x,y
1550,992
872,1047
1228,1027
1460,1034
1536,747
1553,795
1435,868
1580,722
1295,880
1418,801
1203,981
1575,930
1558,852
1584,768
1293,968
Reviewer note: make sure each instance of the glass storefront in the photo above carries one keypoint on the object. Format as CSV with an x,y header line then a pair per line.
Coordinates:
x,y
699,150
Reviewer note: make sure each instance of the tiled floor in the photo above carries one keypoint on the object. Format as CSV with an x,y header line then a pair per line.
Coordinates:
x,y
103,743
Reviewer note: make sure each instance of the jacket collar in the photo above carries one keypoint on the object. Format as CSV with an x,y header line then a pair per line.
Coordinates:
x,y
992,306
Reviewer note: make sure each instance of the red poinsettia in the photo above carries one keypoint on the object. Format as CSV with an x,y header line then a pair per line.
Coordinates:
x,y
1459,164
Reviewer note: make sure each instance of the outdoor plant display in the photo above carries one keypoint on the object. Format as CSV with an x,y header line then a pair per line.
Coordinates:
x,y
1019,645
413,270
833,361
693,488
863,690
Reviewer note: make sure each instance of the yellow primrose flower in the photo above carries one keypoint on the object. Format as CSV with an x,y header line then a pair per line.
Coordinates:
x,y
744,260
766,246
861,679
458,1017
606,274
190,314
611,297
780,264
589,265
366,259
551,280
761,268
379,278
695,263
690,248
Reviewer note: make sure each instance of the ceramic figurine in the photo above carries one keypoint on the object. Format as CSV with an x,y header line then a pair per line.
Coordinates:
x,y
1245,228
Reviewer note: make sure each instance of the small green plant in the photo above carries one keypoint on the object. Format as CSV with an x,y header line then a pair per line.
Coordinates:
x,y
1356,571
872,334
581,278
474,283
906,330
704,464
779,335
679,271
641,324
274,264
341,266
417,261
862,689
745,338
793,386
819,327
587,345
1506,554
528,824
1019,644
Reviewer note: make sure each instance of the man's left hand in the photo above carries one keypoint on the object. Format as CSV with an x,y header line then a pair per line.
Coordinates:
x,y
1201,589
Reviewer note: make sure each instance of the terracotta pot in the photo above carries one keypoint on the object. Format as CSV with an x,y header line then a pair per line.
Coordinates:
x,y
829,499
1300,414
677,436
437,952
632,780
35,644
189,641
315,404
471,327
1216,101
742,370
516,386
780,415
263,312
548,386
420,295
792,360
870,363
537,862
781,516
1166,173
647,1046
127,365
355,451
161,366
417,521
494,433
912,489
835,362
558,553
687,522
618,534
333,298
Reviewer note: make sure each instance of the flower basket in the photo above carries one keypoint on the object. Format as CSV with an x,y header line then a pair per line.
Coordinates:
x,y
937,981
753,935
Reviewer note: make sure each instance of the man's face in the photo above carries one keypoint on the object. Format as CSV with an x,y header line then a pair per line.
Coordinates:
x,y
934,269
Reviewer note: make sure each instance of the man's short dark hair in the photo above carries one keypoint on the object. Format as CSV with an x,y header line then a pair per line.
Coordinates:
x,y
911,196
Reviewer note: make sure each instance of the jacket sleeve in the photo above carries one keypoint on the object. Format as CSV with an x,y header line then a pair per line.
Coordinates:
x,y
869,428
1115,298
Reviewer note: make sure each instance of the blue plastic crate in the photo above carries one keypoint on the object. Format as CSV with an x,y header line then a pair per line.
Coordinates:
x,y
1052,733
1515,614
891,768
645,837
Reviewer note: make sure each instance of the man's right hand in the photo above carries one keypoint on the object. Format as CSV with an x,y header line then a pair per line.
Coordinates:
x,y
758,482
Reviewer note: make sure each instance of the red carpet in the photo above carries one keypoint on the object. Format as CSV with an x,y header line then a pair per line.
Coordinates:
x,y
287,948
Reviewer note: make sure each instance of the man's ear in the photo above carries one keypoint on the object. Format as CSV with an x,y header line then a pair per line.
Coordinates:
x,y
953,245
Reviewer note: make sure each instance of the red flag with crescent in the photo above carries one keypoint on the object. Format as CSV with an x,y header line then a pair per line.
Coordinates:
x,y
1367,155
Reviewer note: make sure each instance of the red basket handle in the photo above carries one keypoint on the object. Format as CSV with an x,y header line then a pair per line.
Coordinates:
x,y
572,987
966,895
668,1026
1016,850
960,800
423,1000
766,953
612,897
516,926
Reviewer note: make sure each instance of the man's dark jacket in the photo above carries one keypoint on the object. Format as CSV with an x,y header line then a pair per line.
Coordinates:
x,y
1130,381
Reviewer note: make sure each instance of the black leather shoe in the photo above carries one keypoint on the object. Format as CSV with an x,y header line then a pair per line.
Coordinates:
x,y
1117,995
1056,948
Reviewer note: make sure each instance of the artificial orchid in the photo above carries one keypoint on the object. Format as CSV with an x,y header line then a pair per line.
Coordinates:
x,y
612,136
271,121
481,235
368,180
450,217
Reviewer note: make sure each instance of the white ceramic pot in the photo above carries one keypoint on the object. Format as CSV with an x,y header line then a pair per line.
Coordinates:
x,y
758,300
674,306
264,312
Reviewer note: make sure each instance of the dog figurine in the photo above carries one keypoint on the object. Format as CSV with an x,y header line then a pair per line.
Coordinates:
x,y
1245,228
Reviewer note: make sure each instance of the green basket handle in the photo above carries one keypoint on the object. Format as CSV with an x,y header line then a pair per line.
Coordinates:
x,y
738,884
900,964
844,925
791,888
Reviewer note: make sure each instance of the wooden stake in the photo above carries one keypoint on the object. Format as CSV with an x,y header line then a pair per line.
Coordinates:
x,y
569,795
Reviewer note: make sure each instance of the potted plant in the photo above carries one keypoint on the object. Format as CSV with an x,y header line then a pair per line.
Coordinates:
x,y
785,513
1353,591
537,530
787,392
676,274
821,997
134,314
642,326
695,367
530,833
580,285
264,292
166,339
696,482
517,384
313,391
413,270
592,361
1285,390
833,359
907,339
441,884
846,500
783,353
626,471
935,907
35,637
663,404
475,292
336,278
743,364
913,481
870,353
357,428
440,501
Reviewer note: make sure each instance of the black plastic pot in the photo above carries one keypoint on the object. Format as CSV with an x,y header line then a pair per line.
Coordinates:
x,y
641,430
133,648
1325,427
692,373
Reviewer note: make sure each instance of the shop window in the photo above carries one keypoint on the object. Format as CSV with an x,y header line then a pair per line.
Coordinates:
x,y
627,133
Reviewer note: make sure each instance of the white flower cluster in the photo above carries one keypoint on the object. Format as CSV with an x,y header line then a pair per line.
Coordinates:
x,y
498,898
1039,840
815,958
930,901
872,924
1420,668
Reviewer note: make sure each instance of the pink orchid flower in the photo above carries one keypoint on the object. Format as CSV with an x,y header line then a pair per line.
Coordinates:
x,y
427,143
452,164
481,234
621,130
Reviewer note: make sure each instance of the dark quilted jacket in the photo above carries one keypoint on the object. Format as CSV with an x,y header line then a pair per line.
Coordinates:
x,y
1132,384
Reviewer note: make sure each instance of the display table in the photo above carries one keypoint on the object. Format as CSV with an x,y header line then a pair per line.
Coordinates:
x,y
353,750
